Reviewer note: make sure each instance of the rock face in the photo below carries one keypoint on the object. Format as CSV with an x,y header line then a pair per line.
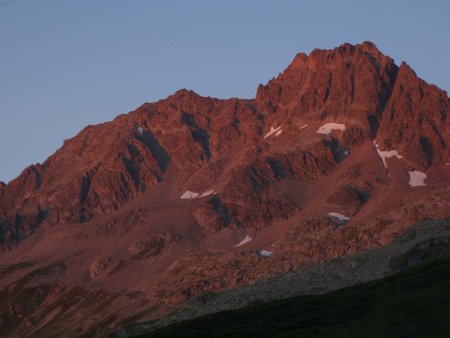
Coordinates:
x,y
99,266
149,207
416,120
107,165
349,81
425,242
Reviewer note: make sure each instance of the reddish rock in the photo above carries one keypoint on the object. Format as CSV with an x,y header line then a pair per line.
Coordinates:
x,y
416,120
107,165
348,81
107,206
99,266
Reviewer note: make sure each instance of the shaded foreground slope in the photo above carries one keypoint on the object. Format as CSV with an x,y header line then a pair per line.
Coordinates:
x,y
412,303
423,243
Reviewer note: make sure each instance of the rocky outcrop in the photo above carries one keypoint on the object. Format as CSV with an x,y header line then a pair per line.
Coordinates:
x,y
349,198
348,81
416,120
99,266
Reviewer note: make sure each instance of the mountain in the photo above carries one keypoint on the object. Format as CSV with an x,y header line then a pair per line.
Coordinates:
x,y
341,153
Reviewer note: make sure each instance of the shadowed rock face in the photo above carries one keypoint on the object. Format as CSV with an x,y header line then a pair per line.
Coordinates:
x,y
108,202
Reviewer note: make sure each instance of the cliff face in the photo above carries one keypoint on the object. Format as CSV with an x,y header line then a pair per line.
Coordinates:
x,y
349,82
328,159
107,165
416,120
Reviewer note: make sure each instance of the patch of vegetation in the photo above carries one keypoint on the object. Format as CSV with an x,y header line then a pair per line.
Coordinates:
x,y
412,303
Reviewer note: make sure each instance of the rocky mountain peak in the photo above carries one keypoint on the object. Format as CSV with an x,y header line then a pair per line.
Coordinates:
x,y
350,80
340,153
107,165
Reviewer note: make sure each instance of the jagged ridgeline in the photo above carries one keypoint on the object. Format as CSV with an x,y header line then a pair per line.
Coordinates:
x,y
129,220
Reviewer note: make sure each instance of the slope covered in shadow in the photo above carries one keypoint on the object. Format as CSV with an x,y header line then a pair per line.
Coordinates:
x,y
412,303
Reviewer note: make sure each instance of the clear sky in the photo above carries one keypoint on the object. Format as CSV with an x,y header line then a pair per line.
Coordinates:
x,y
65,64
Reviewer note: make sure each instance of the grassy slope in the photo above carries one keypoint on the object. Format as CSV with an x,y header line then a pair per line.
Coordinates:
x,y
413,303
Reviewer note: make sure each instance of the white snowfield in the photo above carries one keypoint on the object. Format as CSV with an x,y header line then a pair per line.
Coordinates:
x,y
265,253
328,127
386,154
339,216
190,194
244,241
277,131
207,193
416,178
140,130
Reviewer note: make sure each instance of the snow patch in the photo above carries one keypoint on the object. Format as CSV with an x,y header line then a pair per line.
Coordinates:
x,y
140,130
273,131
304,126
416,178
244,241
386,154
189,194
447,163
265,253
339,216
207,193
328,127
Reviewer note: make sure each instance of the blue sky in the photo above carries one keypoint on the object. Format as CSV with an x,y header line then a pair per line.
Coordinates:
x,y
65,64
